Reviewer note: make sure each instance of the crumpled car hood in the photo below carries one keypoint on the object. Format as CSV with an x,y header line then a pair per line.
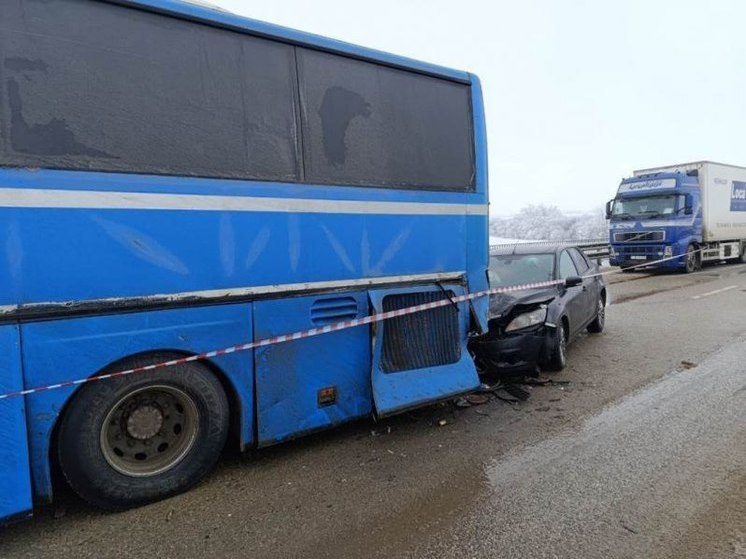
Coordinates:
x,y
502,304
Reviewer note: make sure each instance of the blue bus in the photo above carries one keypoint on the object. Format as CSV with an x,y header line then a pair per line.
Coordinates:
x,y
176,179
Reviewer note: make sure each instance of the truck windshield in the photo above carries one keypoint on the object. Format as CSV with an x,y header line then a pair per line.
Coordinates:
x,y
517,269
647,206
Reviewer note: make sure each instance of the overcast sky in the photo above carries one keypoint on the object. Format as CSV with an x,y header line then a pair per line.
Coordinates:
x,y
577,93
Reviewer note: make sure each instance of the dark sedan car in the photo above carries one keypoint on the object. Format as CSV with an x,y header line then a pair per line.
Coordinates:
x,y
530,329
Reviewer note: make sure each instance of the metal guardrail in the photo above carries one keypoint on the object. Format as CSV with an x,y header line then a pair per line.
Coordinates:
x,y
596,249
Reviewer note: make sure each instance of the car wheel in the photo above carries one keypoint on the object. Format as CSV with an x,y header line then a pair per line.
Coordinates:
x,y
558,348
597,326
132,440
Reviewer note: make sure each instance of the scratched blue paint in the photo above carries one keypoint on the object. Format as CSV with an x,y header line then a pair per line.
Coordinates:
x,y
15,480
290,375
400,390
60,350
128,253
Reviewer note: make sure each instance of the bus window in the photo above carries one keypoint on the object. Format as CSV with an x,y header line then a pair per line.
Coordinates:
x,y
367,124
94,86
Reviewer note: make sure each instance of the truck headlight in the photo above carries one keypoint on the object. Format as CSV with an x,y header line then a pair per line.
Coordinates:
x,y
527,319
668,251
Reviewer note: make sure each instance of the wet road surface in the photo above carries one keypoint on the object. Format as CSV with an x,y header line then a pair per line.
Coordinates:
x,y
638,450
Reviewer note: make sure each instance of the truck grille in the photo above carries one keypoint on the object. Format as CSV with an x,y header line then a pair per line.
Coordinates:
x,y
423,339
646,250
639,236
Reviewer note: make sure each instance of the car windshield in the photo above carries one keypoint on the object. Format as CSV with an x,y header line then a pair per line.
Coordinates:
x,y
646,206
517,269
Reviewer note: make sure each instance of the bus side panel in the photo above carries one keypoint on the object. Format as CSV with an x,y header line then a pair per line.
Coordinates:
x,y
61,350
15,479
309,384
477,227
135,253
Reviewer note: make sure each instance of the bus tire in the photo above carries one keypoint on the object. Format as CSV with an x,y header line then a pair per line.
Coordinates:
x,y
132,440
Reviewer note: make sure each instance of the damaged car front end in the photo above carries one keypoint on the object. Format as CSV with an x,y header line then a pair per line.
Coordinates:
x,y
530,328
518,333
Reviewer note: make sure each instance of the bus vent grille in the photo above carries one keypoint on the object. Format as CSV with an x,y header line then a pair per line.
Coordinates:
x,y
423,339
333,309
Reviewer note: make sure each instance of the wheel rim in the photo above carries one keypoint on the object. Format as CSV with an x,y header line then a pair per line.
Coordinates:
x,y
149,430
601,312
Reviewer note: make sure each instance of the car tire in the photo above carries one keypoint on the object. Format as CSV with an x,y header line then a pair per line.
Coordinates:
x,y
132,440
598,323
557,358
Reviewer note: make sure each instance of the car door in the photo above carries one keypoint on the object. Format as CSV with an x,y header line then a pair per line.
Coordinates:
x,y
590,292
573,297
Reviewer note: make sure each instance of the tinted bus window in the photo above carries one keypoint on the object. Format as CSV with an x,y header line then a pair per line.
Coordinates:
x,y
366,124
95,86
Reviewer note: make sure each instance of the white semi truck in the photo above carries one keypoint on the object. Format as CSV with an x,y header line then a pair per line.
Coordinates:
x,y
695,212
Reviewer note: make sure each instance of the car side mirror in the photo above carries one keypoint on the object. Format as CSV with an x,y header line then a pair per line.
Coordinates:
x,y
573,281
688,209
609,205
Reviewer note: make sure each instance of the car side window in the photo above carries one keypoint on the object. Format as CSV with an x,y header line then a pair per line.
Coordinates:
x,y
566,266
580,261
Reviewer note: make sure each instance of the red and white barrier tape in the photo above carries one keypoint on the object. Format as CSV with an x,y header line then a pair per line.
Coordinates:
x,y
312,332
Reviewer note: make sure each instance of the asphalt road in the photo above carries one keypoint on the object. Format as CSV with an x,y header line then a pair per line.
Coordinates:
x,y
637,450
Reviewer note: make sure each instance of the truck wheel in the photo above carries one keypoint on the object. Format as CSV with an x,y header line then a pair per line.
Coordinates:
x,y
691,263
597,326
132,440
558,348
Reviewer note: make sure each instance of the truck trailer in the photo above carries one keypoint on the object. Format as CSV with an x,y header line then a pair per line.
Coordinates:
x,y
678,217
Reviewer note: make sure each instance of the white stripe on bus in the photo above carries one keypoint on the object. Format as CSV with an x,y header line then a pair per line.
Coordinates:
x,y
99,199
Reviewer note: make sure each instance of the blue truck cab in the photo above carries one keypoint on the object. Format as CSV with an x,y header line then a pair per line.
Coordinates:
x,y
655,217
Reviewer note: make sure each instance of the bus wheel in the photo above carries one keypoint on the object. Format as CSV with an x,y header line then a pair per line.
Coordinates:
x,y
132,440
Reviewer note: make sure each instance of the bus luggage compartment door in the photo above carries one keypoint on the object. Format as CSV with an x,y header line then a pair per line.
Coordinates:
x,y
420,357
15,477
307,384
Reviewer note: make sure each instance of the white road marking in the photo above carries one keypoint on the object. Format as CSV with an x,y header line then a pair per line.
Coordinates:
x,y
724,289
